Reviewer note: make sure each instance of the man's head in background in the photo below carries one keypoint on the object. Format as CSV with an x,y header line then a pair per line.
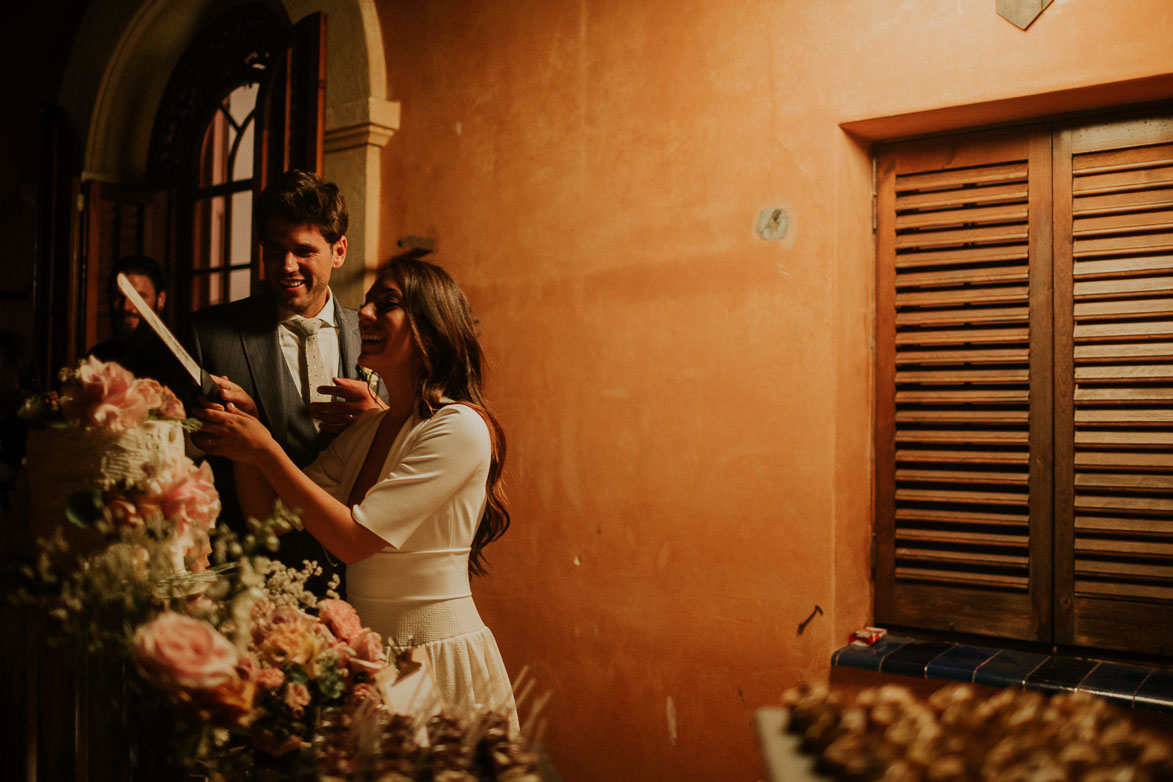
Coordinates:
x,y
146,277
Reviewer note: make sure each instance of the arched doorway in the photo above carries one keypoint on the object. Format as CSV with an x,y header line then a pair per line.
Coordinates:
x,y
117,76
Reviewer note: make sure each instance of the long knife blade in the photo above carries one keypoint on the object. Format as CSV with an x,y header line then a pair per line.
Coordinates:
x,y
201,378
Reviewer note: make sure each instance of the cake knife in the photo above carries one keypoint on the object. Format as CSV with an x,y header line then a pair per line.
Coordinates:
x,y
200,376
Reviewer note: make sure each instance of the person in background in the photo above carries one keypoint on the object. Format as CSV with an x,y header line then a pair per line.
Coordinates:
x,y
134,344
291,346
408,496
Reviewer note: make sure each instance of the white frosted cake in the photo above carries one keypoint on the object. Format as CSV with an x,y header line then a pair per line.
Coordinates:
x,y
62,461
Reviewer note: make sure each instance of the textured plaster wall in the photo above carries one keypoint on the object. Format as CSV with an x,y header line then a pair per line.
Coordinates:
x,y
688,406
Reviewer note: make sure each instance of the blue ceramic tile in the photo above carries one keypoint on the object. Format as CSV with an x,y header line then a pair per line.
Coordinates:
x,y
1059,674
867,657
1115,682
959,663
912,659
1008,668
1156,692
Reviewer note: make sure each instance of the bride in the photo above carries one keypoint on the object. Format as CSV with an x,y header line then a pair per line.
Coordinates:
x,y
409,496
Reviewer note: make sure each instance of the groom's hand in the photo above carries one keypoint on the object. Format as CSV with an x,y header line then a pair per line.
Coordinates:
x,y
352,398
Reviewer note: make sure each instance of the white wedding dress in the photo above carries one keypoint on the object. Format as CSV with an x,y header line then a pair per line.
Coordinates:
x,y
426,505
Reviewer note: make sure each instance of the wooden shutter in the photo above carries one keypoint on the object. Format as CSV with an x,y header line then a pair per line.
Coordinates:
x,y
292,101
963,533
1114,370
292,128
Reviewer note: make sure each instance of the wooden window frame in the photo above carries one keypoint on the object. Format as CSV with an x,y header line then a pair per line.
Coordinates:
x,y
1052,609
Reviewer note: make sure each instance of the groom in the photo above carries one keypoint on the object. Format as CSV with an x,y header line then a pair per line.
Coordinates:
x,y
283,342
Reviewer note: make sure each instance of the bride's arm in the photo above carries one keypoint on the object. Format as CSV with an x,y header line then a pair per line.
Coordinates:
x,y
253,492
241,437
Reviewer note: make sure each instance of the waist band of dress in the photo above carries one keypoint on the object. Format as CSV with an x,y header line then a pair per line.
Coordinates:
x,y
410,576
414,624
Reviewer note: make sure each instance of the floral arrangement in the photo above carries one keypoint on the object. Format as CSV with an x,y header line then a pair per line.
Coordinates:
x,y
182,497
234,670
105,396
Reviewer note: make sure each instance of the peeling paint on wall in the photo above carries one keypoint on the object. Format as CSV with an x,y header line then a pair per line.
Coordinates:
x,y
772,223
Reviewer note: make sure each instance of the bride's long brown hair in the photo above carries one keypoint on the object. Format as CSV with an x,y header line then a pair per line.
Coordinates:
x,y
444,332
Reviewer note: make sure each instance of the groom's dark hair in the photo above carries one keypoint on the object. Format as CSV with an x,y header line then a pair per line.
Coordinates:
x,y
302,198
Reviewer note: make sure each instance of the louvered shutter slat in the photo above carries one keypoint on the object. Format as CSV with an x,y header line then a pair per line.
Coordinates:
x,y
1016,478
974,356
1137,460
1009,438
1115,524
1123,179
1155,197
968,456
956,197
1116,352
986,315
1123,245
959,256
1115,223
962,337
1124,268
962,518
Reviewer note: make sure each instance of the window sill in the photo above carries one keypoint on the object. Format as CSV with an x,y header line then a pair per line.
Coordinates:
x,y
1128,686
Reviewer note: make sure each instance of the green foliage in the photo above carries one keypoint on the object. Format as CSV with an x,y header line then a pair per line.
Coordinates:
x,y
84,508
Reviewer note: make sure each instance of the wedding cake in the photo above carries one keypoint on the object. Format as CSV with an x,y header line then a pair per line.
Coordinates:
x,y
118,440
62,461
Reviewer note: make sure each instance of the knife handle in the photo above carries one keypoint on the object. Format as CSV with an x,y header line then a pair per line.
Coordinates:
x,y
208,387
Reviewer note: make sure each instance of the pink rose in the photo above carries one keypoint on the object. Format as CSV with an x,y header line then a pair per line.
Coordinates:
x,y
369,646
199,552
341,618
270,678
287,614
357,665
190,497
297,697
160,398
104,395
151,391
171,407
123,512
174,651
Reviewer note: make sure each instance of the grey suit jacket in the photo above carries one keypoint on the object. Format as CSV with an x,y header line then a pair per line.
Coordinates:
x,y
239,340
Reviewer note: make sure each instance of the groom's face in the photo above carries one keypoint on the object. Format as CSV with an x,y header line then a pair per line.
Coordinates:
x,y
298,262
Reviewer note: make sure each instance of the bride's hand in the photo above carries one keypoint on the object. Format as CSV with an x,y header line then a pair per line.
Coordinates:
x,y
232,433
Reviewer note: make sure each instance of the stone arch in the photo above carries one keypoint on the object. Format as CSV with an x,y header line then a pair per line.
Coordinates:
x,y
123,56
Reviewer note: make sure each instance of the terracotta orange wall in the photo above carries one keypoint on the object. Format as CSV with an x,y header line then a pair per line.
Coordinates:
x,y
688,406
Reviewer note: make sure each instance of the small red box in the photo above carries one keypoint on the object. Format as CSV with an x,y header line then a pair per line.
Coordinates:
x,y
867,636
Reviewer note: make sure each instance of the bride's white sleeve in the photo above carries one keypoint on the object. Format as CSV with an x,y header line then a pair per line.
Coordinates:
x,y
327,470
445,464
